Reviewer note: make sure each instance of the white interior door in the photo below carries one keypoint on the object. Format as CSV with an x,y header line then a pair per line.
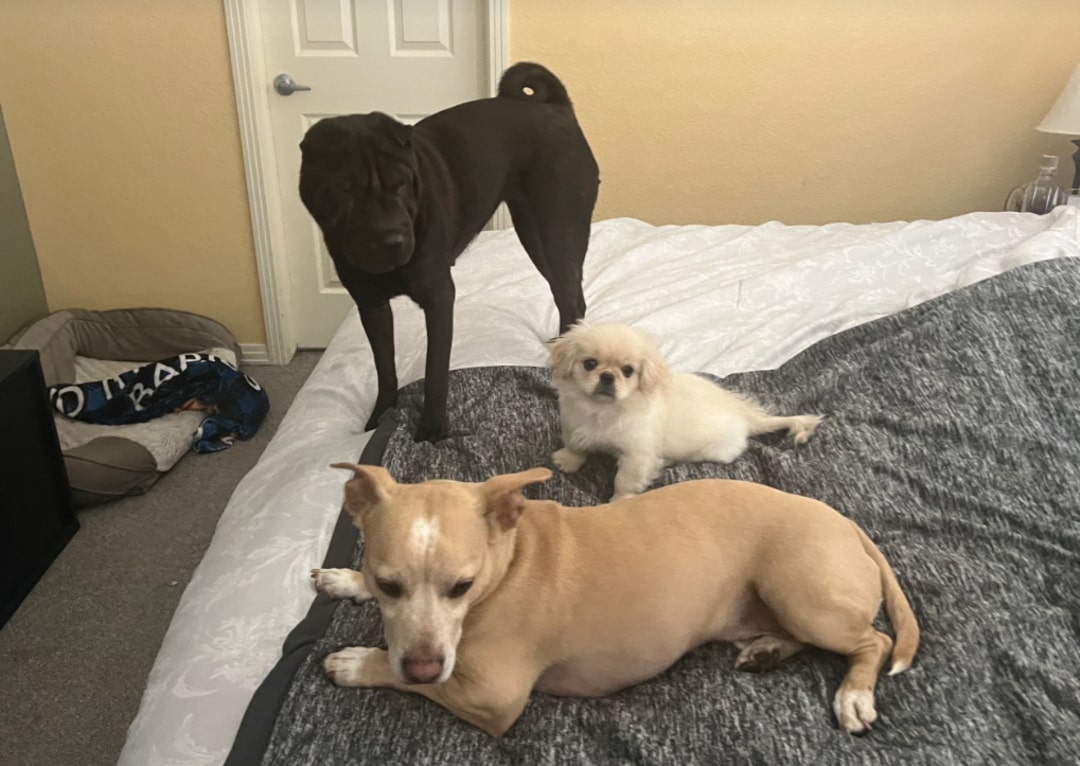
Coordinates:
x,y
407,58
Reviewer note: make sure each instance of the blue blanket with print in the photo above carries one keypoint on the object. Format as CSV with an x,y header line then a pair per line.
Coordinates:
x,y
235,404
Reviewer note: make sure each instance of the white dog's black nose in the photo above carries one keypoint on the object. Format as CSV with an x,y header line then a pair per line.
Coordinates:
x,y
607,378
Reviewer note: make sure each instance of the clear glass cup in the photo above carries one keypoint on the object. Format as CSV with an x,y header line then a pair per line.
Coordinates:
x,y
1041,195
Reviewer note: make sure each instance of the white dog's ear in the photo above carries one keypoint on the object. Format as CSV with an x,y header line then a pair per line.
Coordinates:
x,y
503,501
369,486
654,372
563,351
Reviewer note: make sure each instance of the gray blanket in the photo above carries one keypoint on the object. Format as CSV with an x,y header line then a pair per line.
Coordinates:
x,y
951,438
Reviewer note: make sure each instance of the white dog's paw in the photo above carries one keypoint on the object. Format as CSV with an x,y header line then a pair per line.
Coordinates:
x,y
804,427
854,710
567,460
621,496
347,667
341,583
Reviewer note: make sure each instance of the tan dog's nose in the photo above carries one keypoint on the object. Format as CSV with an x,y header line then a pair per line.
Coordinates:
x,y
422,666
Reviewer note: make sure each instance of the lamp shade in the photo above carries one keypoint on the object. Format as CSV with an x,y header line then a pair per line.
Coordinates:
x,y
1064,115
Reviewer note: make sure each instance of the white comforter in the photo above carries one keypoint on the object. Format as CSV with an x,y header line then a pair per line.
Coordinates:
x,y
724,299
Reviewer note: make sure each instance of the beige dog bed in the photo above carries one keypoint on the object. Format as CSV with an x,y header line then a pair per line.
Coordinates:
x,y
77,346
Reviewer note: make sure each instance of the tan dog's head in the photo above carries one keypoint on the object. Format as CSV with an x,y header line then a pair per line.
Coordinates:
x,y
609,362
432,551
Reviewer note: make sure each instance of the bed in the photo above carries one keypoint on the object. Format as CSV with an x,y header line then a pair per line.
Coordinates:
x,y
766,308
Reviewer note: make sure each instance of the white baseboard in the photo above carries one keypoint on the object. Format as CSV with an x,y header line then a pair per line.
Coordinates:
x,y
254,353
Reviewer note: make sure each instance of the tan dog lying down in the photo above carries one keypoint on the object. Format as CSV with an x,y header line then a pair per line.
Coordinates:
x,y
486,595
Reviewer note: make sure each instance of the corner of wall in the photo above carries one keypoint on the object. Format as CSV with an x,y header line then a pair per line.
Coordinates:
x,y
22,293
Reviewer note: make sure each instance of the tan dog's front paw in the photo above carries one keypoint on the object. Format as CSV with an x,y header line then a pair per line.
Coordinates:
x,y
854,710
341,583
352,666
568,460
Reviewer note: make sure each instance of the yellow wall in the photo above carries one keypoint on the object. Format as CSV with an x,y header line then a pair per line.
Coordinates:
x,y
123,125
807,111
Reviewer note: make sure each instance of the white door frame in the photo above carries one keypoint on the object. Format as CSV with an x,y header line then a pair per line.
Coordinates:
x,y
260,165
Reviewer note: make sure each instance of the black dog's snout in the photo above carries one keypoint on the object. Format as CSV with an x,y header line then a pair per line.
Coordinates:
x,y
607,378
394,240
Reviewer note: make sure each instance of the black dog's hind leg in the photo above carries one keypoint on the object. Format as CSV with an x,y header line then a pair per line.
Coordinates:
x,y
378,322
557,255
439,319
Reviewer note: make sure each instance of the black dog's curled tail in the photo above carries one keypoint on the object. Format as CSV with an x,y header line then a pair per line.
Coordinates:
x,y
532,82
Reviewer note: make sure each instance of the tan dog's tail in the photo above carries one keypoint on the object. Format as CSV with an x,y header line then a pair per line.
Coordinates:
x,y
897,607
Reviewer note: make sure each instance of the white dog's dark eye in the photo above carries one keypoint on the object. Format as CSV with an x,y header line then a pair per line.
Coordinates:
x,y
390,588
627,371
460,589
589,364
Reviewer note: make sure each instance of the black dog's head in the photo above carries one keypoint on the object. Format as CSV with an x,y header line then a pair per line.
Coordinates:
x,y
359,181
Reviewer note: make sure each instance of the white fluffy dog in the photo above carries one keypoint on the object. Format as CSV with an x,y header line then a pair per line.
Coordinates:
x,y
617,395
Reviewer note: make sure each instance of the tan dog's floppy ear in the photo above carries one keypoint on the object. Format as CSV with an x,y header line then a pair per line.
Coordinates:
x,y
369,486
563,350
503,501
654,370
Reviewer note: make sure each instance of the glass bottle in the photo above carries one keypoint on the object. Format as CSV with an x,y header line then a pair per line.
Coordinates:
x,y
1041,195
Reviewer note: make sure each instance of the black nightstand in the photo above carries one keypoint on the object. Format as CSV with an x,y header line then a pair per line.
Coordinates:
x,y
37,517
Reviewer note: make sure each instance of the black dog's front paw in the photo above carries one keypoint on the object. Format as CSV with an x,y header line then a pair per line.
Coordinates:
x,y
431,433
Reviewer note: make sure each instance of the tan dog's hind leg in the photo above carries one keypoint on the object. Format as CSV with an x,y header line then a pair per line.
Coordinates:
x,y
840,619
834,609
341,583
854,700
765,653
493,702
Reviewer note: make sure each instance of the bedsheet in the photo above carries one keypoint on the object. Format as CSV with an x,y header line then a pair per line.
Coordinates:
x,y
723,299
948,438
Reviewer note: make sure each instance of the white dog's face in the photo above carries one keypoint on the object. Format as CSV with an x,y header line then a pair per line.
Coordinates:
x,y
608,362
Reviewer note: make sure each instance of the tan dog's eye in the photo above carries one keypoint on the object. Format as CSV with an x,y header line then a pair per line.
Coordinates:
x,y
627,371
589,364
460,589
390,588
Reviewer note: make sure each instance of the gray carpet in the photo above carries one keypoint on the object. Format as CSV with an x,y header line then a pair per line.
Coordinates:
x,y
71,679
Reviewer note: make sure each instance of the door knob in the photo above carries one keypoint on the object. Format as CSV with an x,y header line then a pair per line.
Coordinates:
x,y
286,85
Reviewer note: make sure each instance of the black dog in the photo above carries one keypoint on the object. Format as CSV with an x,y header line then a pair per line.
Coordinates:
x,y
398,204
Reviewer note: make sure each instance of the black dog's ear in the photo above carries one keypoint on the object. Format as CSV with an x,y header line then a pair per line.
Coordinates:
x,y
383,124
326,136
314,144
401,133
